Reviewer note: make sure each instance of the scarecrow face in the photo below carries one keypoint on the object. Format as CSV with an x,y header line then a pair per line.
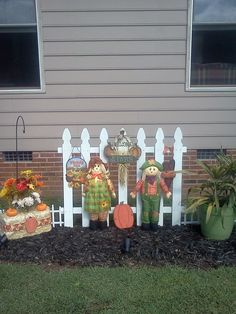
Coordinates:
x,y
97,168
152,171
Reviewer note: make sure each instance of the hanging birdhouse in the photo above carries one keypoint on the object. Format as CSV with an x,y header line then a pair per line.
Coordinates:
x,y
123,150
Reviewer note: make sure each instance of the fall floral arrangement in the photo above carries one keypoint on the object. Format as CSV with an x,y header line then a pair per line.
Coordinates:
x,y
23,193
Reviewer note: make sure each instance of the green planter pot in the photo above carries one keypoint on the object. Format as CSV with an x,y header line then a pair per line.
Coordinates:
x,y
218,227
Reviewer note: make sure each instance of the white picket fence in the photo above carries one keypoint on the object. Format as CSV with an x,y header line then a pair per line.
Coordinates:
x,y
86,150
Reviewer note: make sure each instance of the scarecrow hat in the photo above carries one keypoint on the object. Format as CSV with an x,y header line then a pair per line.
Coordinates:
x,y
152,163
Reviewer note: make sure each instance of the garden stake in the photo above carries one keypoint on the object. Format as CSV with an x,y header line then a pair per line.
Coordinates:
x,y
17,157
124,220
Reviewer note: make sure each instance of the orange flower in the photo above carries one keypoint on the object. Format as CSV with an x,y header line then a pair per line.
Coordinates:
x,y
9,182
22,191
40,183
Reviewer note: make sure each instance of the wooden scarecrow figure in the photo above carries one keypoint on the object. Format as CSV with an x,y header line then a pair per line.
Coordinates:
x,y
151,186
98,190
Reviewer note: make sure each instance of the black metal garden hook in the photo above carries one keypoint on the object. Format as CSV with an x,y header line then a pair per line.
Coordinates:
x,y
17,156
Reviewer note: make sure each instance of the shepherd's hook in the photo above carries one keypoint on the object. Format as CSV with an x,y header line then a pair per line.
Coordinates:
x,y
17,157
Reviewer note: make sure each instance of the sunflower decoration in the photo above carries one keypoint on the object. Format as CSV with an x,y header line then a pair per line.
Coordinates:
x,y
105,205
22,193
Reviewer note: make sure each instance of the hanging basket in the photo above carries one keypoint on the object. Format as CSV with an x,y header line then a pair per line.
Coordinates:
x,y
75,171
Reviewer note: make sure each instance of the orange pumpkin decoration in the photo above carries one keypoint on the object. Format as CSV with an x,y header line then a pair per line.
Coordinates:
x,y
108,151
41,206
135,151
11,212
31,225
123,216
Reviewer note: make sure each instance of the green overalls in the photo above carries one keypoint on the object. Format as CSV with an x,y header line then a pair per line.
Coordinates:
x,y
151,204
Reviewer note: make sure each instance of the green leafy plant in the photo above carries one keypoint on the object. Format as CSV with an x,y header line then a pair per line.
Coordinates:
x,y
218,191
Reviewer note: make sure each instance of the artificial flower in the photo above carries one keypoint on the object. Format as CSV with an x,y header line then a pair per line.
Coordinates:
x,y
21,186
22,193
104,204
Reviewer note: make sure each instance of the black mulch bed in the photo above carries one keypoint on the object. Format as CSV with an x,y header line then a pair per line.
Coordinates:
x,y
179,245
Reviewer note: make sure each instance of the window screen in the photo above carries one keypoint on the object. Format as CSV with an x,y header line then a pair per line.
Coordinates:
x,y
19,53
213,44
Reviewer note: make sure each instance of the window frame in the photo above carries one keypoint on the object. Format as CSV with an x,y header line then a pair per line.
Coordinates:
x,y
189,59
40,89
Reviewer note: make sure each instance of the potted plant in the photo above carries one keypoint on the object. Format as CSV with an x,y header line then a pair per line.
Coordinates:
x,y
215,198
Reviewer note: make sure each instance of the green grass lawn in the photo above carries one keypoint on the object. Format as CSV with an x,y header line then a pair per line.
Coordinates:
x,y
33,289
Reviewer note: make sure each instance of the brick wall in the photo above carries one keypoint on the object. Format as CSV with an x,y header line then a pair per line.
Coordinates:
x,y
49,165
197,175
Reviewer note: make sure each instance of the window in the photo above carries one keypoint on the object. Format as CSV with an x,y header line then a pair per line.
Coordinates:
x,y
212,45
209,153
19,42
21,156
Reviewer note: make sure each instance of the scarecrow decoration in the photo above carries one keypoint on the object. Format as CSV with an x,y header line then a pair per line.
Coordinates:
x,y
98,190
123,151
168,172
151,185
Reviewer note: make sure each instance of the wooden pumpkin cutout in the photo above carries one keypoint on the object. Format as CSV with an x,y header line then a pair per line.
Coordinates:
x,y
123,216
31,224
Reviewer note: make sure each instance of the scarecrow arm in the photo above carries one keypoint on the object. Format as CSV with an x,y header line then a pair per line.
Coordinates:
x,y
138,188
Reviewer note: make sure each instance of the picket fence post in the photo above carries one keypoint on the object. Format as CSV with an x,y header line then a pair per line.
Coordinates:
x,y
102,145
179,149
159,156
67,191
85,153
141,143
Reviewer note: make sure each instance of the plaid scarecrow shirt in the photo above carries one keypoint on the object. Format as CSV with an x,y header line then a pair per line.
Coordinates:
x,y
152,187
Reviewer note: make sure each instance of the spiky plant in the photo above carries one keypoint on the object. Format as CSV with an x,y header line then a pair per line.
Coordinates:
x,y
218,192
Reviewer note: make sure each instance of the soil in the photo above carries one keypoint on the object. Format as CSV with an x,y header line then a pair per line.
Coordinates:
x,y
179,245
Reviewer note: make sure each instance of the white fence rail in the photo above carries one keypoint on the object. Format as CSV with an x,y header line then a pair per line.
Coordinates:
x,y
157,151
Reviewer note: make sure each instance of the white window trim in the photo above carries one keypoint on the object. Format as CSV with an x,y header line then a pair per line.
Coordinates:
x,y
41,89
189,57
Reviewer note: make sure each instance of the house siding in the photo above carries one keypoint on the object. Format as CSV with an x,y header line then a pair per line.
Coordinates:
x,y
116,64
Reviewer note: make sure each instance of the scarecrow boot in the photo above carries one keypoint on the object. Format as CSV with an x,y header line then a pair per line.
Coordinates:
x,y
145,226
93,224
154,226
102,220
103,225
145,220
154,217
